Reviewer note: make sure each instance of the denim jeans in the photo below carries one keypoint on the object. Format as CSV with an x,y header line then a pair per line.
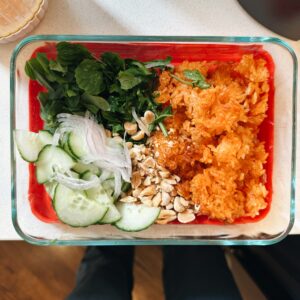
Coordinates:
x,y
189,273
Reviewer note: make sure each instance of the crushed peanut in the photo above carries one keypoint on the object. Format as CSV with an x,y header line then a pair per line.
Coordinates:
x,y
153,185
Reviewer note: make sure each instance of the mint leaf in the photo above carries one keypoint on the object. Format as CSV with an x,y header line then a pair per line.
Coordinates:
x,y
89,77
97,101
128,80
54,65
71,54
113,61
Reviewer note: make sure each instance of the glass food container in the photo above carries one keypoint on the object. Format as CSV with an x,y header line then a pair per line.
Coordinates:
x,y
271,229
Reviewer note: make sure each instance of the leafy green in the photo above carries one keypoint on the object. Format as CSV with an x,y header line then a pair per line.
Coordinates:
x,y
197,79
128,80
97,101
108,87
89,77
159,63
71,54
159,117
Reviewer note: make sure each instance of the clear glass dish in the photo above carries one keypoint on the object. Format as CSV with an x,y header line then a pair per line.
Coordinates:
x,y
273,228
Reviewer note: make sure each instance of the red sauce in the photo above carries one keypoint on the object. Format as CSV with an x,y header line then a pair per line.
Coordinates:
x,y
40,202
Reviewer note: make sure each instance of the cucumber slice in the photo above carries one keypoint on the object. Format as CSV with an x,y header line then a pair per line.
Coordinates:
x,y
77,145
112,215
97,193
82,168
65,146
136,217
30,144
109,186
75,209
50,188
49,158
45,137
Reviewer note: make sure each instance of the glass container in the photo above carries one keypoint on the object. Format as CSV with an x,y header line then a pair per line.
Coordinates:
x,y
271,229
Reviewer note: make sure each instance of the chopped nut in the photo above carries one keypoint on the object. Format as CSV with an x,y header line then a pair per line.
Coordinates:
x,y
149,117
165,213
165,198
170,181
169,206
136,192
148,191
166,187
147,181
128,199
156,180
156,200
178,206
138,136
130,128
196,208
161,168
129,145
136,179
166,220
146,200
149,163
164,174
186,217
166,216
108,133
184,202
177,178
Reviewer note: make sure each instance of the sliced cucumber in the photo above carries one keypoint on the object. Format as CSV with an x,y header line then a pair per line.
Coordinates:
x,y
51,157
97,193
111,216
50,188
30,144
77,145
109,186
45,137
105,174
75,209
65,146
82,168
136,217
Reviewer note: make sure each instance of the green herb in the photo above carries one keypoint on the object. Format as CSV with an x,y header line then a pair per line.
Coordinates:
x,y
108,86
197,79
89,77
160,63
159,117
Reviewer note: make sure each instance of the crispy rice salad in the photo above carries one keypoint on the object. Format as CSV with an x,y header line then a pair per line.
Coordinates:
x,y
132,143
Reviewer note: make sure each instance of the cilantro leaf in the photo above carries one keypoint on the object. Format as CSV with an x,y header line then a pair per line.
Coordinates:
x,y
89,77
159,63
197,79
